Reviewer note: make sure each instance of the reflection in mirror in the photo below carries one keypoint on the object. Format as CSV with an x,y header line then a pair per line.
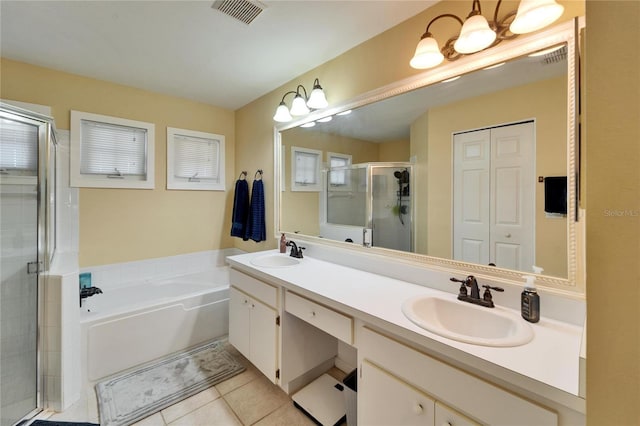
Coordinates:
x,y
486,153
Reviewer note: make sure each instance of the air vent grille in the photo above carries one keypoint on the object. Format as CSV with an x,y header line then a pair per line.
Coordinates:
x,y
242,10
555,56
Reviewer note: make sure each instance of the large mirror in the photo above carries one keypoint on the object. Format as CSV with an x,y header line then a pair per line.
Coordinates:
x,y
480,164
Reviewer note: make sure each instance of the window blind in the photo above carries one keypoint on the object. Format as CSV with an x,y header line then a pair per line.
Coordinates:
x,y
18,146
306,168
108,149
197,158
338,177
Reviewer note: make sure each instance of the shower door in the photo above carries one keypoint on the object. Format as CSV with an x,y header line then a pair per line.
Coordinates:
x,y
23,157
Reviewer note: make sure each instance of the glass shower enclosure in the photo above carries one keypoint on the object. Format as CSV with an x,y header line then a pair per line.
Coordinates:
x,y
369,204
27,239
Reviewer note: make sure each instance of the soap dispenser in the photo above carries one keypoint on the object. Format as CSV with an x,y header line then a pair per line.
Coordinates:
x,y
283,244
530,300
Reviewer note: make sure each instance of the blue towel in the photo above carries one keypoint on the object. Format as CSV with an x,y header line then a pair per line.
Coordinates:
x,y
256,227
240,214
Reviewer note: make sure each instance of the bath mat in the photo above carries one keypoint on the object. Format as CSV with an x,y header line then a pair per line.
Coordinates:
x,y
54,423
130,397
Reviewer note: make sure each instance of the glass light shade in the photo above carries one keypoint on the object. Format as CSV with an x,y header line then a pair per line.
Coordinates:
x,y
427,54
309,124
534,15
298,106
475,35
282,114
317,100
325,120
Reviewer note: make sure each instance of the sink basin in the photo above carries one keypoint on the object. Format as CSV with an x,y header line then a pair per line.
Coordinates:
x,y
466,322
275,261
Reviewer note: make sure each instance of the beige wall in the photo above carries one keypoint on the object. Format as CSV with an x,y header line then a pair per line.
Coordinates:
x,y
119,225
613,215
544,101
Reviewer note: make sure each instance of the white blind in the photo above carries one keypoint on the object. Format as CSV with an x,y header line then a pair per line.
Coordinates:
x,y
18,146
108,149
197,158
306,168
338,177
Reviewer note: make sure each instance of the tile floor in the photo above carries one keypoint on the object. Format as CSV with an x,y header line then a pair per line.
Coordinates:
x,y
246,399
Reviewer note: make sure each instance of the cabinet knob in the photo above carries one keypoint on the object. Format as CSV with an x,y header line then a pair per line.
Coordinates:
x,y
446,424
508,235
418,408
313,313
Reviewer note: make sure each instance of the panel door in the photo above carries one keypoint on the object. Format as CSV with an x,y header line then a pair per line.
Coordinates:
x,y
240,321
264,339
384,399
513,196
471,208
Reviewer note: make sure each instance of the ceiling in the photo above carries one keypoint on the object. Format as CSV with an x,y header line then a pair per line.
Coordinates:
x,y
187,48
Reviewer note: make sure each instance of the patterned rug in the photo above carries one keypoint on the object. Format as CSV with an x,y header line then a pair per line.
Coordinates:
x,y
125,399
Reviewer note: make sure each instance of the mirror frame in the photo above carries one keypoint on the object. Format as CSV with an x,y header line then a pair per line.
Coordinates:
x,y
568,33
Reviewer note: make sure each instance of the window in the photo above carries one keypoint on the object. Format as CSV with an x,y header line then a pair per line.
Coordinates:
x,y
18,148
195,160
305,169
111,152
338,178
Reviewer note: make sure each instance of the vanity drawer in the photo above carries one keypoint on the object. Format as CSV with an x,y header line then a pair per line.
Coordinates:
x,y
264,292
332,322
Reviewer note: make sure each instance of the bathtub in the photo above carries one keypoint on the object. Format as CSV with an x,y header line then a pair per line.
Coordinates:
x,y
130,325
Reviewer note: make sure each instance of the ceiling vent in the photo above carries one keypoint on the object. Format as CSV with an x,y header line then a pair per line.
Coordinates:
x,y
558,55
242,10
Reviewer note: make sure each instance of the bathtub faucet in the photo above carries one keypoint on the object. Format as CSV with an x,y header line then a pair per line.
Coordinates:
x,y
88,292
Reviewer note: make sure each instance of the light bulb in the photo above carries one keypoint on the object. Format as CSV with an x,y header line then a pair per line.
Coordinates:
x,y
298,106
282,114
427,54
534,15
475,35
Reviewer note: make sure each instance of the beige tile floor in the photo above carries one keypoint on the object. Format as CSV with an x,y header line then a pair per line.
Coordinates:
x,y
246,399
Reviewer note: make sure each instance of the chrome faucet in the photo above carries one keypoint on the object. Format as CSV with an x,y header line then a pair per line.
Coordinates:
x,y
474,297
295,250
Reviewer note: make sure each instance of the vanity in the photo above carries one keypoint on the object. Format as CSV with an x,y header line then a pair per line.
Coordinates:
x,y
290,320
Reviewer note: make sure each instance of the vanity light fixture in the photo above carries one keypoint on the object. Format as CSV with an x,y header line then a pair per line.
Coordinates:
x,y
478,34
302,103
309,124
491,67
325,119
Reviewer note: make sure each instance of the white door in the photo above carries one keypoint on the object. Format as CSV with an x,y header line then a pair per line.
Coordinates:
x,y
384,399
513,196
471,213
264,339
240,321
494,196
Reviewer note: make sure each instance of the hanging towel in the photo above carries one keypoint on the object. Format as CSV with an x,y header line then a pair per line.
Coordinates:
x,y
256,228
240,214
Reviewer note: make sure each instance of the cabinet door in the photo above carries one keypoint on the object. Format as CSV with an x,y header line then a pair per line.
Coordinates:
x,y
239,321
264,339
384,399
446,416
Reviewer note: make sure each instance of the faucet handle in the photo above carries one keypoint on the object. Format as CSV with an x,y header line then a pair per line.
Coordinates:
x,y
487,294
462,292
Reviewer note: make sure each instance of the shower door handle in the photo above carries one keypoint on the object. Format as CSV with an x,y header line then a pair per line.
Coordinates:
x,y
34,267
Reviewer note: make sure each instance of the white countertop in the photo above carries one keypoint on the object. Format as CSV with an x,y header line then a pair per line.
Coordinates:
x,y
551,358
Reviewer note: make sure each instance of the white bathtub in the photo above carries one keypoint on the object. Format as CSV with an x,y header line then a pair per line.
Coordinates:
x,y
134,324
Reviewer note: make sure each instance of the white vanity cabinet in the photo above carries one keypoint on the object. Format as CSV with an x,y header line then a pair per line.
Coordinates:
x,y
253,318
399,381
